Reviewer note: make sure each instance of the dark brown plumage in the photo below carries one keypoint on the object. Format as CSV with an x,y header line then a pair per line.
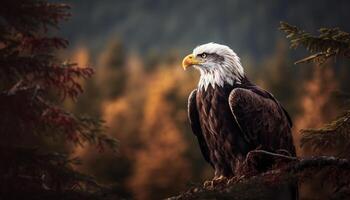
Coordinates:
x,y
232,120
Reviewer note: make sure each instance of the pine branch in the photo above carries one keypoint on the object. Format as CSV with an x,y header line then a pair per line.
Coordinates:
x,y
47,170
34,82
44,175
331,135
331,42
27,111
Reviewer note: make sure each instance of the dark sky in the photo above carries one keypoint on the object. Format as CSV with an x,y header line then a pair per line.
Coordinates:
x,y
249,27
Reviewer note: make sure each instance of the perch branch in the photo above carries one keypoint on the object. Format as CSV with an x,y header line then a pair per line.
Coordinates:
x,y
296,166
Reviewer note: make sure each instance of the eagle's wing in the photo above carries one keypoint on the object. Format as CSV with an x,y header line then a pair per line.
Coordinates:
x,y
193,117
262,119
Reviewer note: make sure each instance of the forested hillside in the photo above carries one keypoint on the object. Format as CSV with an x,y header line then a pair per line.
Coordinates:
x,y
157,27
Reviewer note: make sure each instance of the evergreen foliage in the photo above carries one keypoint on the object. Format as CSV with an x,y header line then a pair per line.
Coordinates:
x,y
331,136
330,43
34,82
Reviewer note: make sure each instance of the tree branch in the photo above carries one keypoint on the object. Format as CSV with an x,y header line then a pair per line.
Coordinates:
x,y
236,187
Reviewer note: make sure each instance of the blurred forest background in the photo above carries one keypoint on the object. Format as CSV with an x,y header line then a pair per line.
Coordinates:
x,y
141,91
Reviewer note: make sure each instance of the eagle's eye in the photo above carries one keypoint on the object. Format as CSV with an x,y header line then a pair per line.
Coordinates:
x,y
203,55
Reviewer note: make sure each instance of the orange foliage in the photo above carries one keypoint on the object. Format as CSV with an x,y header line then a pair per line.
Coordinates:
x,y
161,159
316,101
123,114
317,109
149,120
81,57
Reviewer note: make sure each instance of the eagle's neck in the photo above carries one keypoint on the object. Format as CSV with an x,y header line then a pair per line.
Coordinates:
x,y
218,76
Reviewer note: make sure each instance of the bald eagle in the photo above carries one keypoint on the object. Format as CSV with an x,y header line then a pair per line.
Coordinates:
x,y
231,116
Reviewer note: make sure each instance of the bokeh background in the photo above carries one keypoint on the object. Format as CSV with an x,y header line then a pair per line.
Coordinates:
x,y
141,91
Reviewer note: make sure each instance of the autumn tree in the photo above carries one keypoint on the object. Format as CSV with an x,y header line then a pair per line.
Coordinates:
x,y
34,82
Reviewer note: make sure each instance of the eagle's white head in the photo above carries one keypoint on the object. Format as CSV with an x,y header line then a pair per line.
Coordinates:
x,y
217,63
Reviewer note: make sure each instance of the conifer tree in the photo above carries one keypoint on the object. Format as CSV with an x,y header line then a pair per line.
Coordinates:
x,y
34,82
331,43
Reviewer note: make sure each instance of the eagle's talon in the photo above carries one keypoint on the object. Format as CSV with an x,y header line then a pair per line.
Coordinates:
x,y
221,181
217,181
230,181
208,184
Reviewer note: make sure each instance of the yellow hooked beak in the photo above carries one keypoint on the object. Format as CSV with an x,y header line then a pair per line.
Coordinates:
x,y
188,61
